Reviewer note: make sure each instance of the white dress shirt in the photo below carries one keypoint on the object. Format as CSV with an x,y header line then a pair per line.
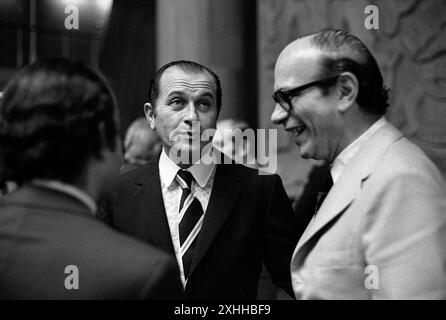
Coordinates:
x,y
68,189
348,153
201,189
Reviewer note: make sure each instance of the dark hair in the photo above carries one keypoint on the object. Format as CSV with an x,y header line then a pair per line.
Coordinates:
x,y
188,67
55,115
346,52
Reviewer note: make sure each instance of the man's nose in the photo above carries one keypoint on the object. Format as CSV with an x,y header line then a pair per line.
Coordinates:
x,y
191,113
278,115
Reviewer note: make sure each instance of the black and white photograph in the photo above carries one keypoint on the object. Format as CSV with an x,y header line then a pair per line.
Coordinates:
x,y
226,158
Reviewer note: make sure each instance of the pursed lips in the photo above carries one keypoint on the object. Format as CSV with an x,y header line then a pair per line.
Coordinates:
x,y
188,134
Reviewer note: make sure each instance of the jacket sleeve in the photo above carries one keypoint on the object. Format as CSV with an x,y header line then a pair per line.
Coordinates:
x,y
163,282
283,230
405,238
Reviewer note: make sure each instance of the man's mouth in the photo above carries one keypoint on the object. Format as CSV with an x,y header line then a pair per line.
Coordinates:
x,y
189,134
296,131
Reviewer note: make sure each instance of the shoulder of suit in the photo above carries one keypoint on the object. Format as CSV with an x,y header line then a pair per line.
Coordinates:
x,y
138,174
126,247
404,158
404,154
251,175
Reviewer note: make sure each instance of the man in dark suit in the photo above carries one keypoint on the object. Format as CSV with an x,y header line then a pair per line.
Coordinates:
x,y
220,221
59,138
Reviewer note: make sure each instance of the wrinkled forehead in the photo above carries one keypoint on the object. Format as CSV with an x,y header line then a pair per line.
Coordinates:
x,y
296,65
177,79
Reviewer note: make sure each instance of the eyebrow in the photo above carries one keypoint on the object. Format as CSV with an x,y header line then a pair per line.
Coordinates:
x,y
207,94
181,93
175,93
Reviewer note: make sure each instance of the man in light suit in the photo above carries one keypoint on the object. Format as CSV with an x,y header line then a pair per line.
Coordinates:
x,y
242,218
59,142
381,231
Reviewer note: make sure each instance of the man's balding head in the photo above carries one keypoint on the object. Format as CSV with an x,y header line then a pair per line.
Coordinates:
x,y
328,90
339,51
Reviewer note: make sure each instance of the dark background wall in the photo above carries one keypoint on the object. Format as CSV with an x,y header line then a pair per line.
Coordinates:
x,y
128,55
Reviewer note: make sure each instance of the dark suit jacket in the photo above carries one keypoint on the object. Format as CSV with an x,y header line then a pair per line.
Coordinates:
x,y
249,220
43,231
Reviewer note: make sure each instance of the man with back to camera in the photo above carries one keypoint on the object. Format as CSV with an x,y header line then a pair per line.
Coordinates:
x,y
381,231
220,221
59,137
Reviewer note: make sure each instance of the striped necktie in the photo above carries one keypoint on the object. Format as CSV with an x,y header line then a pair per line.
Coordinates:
x,y
191,219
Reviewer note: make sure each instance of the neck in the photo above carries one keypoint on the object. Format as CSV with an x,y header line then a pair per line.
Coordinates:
x,y
92,181
184,166
355,124
192,158
87,184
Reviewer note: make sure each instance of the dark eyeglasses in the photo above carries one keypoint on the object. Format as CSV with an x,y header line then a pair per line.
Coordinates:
x,y
283,97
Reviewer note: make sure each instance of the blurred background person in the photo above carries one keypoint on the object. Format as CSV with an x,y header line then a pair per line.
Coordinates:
x,y
225,141
140,145
6,187
59,137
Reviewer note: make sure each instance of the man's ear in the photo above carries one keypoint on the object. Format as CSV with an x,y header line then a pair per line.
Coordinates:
x,y
149,111
348,90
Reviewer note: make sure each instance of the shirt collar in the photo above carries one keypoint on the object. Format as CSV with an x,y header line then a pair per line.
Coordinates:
x,y
200,171
70,190
348,153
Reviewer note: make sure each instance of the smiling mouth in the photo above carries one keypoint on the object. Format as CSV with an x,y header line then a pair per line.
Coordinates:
x,y
296,131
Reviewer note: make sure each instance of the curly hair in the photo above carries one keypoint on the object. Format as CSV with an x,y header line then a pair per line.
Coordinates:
x,y
55,115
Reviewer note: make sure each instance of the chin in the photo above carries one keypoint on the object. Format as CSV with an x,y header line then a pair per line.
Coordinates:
x,y
305,153
307,156
184,154
304,156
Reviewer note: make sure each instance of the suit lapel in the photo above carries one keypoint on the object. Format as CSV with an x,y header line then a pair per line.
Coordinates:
x,y
147,190
349,185
340,197
224,194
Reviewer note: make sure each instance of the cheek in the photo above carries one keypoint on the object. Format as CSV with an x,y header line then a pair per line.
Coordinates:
x,y
161,130
317,118
211,124
208,120
167,122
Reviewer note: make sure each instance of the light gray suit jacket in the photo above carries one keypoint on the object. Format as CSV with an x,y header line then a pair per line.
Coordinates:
x,y
381,231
